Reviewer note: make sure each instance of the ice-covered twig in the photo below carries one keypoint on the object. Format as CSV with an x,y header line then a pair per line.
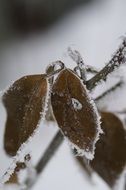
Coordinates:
x,y
118,59
91,69
75,55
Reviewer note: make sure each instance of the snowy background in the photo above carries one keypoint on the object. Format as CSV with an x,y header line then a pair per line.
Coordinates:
x,y
95,30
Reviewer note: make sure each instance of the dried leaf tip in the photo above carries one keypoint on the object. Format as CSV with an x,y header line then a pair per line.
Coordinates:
x,y
75,113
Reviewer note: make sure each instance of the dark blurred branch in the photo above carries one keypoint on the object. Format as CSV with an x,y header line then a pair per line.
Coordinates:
x,y
49,153
46,157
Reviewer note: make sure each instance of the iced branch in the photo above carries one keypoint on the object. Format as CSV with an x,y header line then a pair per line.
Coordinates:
x,y
91,69
118,59
75,56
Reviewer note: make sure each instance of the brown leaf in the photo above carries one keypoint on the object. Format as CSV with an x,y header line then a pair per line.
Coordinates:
x,y
25,103
75,113
110,154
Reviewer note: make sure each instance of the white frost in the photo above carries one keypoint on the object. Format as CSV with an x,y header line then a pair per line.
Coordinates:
x,y
87,154
75,56
82,152
76,104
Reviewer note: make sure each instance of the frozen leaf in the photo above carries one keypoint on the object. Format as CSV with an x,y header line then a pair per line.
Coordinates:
x,y
110,154
75,113
25,102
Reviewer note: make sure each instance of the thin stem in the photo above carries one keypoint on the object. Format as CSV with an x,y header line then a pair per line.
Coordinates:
x,y
91,69
49,153
75,55
118,59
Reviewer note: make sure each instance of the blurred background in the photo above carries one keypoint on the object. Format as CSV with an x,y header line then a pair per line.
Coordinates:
x,y
34,33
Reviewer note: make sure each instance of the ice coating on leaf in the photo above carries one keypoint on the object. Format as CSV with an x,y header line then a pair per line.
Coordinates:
x,y
76,113
22,151
25,102
81,152
76,104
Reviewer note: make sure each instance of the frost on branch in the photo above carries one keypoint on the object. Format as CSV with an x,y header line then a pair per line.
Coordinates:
x,y
75,113
75,55
118,59
110,155
25,102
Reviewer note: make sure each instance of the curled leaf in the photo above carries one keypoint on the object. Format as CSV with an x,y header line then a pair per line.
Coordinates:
x,y
75,113
110,154
25,102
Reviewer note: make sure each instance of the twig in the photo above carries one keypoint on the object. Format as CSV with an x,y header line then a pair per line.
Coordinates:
x,y
118,59
91,69
54,145
49,153
75,55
